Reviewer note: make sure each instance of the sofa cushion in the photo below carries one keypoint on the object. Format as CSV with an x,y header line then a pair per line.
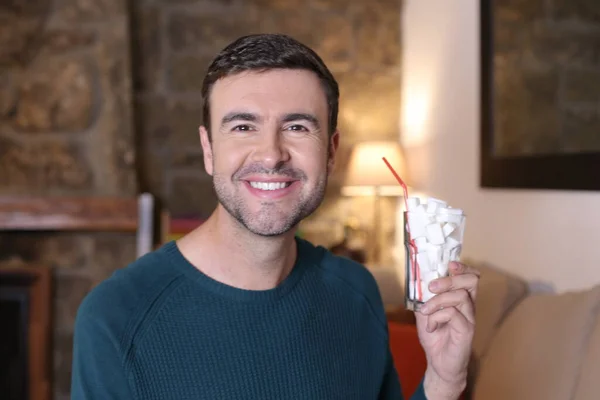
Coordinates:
x,y
537,351
497,294
588,387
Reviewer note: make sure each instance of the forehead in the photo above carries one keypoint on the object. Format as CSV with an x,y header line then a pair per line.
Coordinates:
x,y
269,92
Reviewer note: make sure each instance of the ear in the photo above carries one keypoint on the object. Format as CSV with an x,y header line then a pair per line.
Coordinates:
x,y
334,142
206,149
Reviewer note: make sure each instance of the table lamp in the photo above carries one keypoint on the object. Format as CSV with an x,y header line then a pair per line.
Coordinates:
x,y
367,175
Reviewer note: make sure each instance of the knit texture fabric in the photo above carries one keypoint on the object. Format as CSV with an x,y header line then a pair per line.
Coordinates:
x,y
161,329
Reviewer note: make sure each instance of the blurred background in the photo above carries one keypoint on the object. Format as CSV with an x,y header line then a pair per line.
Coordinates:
x,y
100,102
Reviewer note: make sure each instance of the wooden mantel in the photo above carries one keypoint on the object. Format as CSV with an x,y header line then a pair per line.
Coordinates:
x,y
69,213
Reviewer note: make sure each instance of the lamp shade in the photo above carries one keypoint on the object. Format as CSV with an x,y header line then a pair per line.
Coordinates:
x,y
366,168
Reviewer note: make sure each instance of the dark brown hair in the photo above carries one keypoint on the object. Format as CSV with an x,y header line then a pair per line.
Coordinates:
x,y
262,52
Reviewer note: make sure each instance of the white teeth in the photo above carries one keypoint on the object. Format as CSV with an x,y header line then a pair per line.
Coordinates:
x,y
269,185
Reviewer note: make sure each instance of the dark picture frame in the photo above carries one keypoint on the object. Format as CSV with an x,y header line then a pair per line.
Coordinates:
x,y
560,171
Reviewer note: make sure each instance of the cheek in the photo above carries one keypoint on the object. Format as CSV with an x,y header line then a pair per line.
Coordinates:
x,y
227,157
311,156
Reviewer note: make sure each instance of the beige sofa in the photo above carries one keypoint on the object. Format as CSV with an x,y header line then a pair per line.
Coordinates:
x,y
534,346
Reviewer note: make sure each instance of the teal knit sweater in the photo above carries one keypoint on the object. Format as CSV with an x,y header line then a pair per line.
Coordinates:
x,y
161,329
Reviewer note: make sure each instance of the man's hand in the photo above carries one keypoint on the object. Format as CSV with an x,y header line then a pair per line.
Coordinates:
x,y
446,324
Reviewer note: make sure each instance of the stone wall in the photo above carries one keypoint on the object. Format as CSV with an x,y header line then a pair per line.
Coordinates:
x,y
66,128
73,91
547,61
359,41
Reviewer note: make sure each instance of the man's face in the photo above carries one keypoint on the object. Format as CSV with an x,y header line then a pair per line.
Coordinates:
x,y
270,154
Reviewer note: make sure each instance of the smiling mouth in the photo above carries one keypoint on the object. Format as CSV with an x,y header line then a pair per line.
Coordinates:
x,y
269,185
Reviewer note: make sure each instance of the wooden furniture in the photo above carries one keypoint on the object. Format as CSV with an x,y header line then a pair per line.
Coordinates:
x,y
35,283
59,214
69,213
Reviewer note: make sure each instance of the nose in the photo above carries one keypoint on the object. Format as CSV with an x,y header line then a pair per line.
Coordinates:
x,y
271,151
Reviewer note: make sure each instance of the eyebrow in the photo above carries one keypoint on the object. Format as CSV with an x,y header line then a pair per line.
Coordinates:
x,y
250,117
301,117
239,116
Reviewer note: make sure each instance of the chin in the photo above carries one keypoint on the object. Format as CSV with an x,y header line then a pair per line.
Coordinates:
x,y
269,230
269,226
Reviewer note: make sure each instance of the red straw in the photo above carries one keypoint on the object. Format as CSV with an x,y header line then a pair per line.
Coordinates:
x,y
414,267
400,181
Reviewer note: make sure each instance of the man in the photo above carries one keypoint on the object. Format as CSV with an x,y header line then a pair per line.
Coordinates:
x,y
240,308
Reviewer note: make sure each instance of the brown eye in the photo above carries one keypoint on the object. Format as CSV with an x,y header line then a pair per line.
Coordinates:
x,y
298,128
242,128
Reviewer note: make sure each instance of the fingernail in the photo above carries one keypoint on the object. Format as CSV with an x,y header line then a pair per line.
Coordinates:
x,y
433,285
425,308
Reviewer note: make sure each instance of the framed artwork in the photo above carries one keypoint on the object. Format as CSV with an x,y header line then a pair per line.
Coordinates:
x,y
540,94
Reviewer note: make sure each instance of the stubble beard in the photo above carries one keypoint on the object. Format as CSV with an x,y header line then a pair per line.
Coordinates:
x,y
270,220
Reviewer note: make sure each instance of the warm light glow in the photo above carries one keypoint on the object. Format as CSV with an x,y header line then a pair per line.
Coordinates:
x,y
367,171
414,113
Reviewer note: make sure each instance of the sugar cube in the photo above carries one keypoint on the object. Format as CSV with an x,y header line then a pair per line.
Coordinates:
x,y
445,256
412,203
442,269
427,294
434,233
455,253
448,228
435,253
451,243
416,225
430,275
421,243
433,204
423,261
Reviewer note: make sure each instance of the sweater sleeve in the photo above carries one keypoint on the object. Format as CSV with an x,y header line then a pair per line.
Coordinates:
x,y
97,372
390,388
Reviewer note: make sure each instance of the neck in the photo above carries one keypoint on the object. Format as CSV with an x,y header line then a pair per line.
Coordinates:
x,y
227,252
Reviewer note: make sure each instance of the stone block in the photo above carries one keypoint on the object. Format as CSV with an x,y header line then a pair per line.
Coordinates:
x,y
369,104
337,6
185,119
331,36
333,40
147,53
81,11
55,95
61,250
153,172
520,10
281,5
191,195
581,130
527,121
46,167
113,136
186,73
62,359
378,36
8,93
577,10
17,31
111,251
69,292
60,41
206,32
299,24
581,85
153,123
564,47
186,159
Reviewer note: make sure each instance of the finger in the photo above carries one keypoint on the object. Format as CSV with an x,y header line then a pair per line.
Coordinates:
x,y
469,282
449,316
458,268
459,299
